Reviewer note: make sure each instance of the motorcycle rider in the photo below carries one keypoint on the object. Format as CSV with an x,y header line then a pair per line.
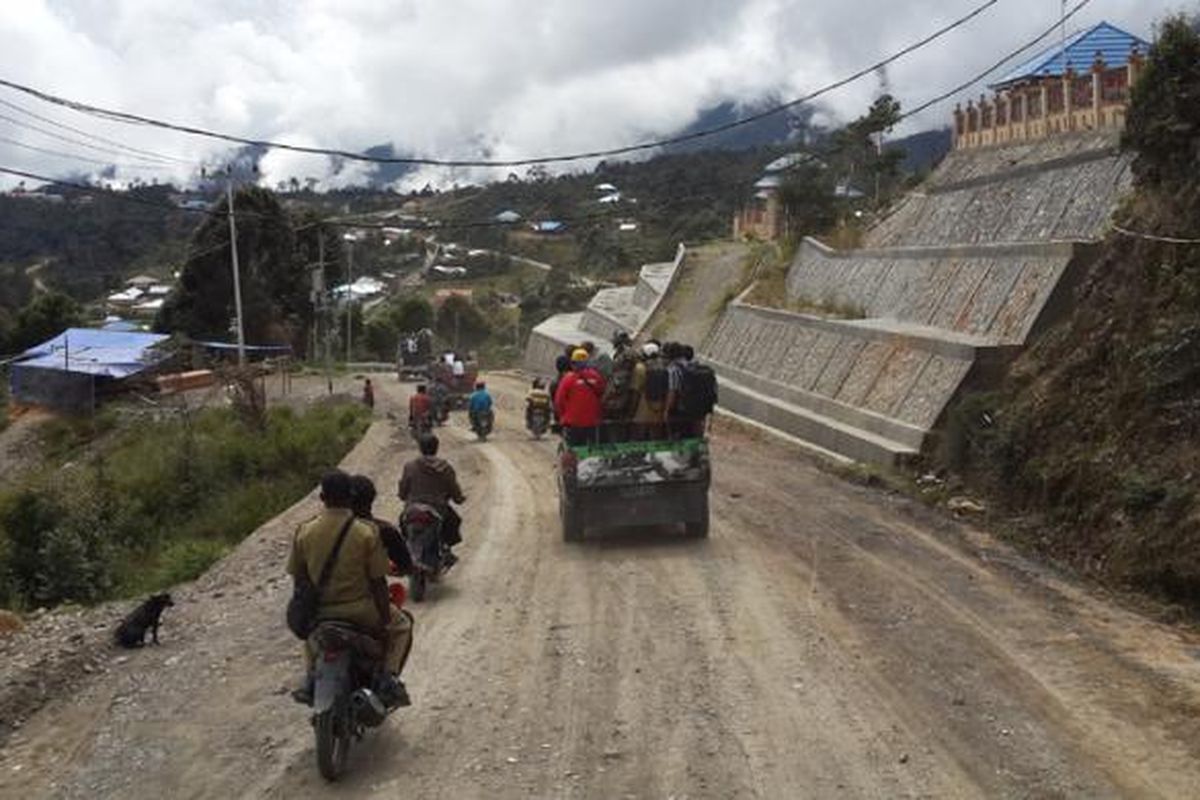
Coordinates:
x,y
438,401
420,410
479,403
357,590
431,481
537,400
362,490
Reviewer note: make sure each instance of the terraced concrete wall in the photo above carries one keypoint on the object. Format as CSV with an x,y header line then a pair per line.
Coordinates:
x,y
974,200
950,284
992,291
908,379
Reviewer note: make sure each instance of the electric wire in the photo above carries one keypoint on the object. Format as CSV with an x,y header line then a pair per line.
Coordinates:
x,y
95,136
138,119
79,142
74,156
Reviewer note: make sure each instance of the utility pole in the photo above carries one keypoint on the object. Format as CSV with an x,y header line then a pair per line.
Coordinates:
x,y
237,279
349,294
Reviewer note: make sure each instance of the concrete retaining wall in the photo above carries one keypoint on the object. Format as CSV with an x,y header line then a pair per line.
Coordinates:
x,y
996,291
626,308
1070,202
866,369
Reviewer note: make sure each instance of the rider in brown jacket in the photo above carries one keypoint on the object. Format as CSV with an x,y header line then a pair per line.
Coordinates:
x,y
431,480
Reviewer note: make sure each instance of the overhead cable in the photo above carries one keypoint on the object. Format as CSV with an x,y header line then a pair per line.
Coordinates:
x,y
137,119
79,142
1150,237
980,76
75,156
93,136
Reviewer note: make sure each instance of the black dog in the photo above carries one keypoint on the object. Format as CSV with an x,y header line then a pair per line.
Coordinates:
x,y
132,630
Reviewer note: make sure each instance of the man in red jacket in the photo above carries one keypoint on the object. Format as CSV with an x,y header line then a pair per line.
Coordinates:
x,y
578,401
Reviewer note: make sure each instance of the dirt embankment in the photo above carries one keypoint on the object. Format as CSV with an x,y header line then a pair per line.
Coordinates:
x,y
826,640
1088,450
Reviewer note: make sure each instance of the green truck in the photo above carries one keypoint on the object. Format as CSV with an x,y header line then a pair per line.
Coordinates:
x,y
634,484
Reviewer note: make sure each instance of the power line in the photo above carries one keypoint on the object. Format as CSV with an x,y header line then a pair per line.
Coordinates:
x,y
1150,237
980,76
73,156
70,140
95,136
137,119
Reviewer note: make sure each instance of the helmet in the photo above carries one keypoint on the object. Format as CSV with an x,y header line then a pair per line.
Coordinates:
x,y
579,355
650,349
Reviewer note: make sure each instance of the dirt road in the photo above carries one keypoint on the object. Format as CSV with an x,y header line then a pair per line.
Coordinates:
x,y
825,641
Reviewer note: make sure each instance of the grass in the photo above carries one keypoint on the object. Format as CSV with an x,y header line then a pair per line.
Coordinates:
x,y
155,502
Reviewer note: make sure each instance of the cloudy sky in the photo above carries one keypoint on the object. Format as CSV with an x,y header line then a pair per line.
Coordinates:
x,y
452,78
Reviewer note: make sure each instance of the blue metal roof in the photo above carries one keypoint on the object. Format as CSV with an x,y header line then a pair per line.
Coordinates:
x,y
1111,42
111,354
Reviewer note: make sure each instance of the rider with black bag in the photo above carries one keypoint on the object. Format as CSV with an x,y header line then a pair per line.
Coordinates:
x,y
339,571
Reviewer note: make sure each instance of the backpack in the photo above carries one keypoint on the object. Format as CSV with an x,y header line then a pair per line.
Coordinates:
x,y
619,400
697,390
658,383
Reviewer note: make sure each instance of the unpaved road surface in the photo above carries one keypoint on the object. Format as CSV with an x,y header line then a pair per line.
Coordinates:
x,y
825,641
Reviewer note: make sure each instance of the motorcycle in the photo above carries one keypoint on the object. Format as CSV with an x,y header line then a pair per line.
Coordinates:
x,y
539,421
420,426
345,701
481,424
421,526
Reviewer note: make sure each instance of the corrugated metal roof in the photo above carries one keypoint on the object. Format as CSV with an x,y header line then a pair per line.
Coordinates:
x,y
112,354
1081,48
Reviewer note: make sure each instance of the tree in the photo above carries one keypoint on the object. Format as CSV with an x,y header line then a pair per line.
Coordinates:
x,y
808,200
274,276
461,323
1163,125
45,316
856,151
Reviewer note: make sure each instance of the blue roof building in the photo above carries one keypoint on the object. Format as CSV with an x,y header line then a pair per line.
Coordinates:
x,y
70,370
1108,42
1079,85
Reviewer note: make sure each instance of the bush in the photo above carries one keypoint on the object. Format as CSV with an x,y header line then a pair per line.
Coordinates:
x,y
164,501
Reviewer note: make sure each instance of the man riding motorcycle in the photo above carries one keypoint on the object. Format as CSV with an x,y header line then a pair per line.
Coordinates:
x,y
357,591
363,495
430,481
479,405
537,407
420,412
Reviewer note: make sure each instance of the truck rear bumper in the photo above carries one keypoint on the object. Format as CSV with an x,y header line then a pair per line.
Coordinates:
x,y
643,504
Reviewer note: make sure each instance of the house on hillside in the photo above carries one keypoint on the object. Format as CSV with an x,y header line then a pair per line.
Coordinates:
x,y
762,217
508,217
142,282
550,226
77,368
1081,84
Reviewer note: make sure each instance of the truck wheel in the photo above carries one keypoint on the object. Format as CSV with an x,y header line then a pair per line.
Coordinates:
x,y
572,523
699,529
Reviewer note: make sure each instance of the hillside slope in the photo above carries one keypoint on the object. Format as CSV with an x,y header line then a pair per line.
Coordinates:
x,y
1090,446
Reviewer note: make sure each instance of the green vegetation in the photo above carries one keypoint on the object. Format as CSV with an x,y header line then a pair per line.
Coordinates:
x,y
44,316
274,276
89,240
1089,446
131,506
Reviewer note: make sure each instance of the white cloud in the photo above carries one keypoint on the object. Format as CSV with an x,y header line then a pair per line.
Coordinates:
x,y
449,78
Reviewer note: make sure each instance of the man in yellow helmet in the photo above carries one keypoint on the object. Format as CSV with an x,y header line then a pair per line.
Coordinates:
x,y
579,401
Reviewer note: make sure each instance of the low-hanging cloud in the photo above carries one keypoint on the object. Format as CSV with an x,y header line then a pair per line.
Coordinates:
x,y
464,78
